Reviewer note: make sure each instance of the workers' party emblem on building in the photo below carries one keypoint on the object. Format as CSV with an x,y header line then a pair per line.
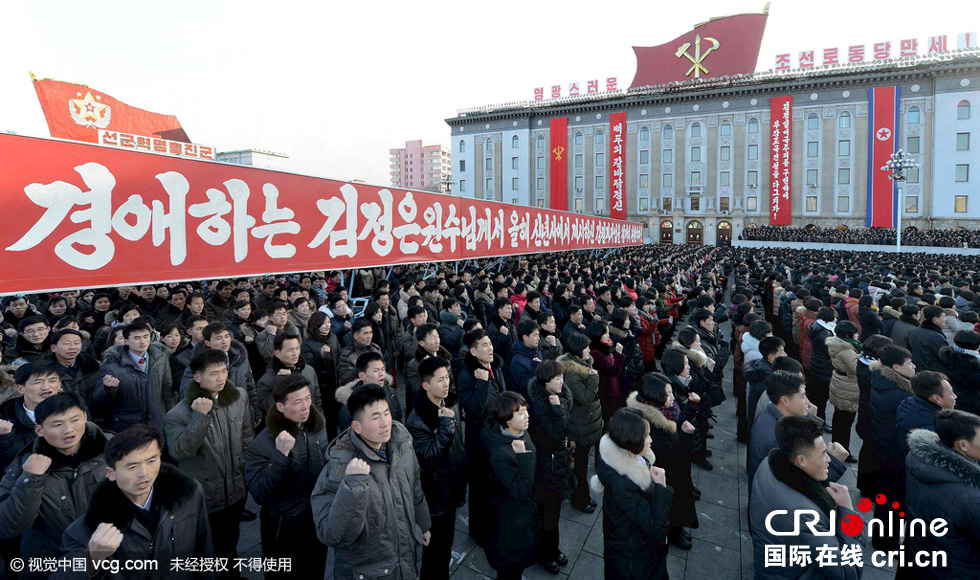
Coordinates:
x,y
558,152
89,111
697,68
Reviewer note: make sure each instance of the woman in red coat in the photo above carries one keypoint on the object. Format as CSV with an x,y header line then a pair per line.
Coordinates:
x,y
609,362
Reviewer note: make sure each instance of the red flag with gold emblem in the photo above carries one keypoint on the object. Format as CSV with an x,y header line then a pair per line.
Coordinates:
x,y
723,46
77,112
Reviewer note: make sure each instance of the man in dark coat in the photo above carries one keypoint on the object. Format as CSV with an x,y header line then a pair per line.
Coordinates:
x,y
927,340
430,344
371,370
961,363
481,381
502,332
32,341
933,393
49,484
438,442
79,371
451,329
525,356
756,372
146,509
362,334
35,382
219,302
282,464
821,366
136,384
944,482
286,360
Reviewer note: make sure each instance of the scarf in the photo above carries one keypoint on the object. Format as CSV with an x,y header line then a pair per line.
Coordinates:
x,y
973,353
855,343
828,325
672,411
800,481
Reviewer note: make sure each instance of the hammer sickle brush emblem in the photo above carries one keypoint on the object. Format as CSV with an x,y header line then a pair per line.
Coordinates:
x,y
698,57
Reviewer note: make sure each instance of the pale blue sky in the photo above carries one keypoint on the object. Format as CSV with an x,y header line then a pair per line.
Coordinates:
x,y
334,87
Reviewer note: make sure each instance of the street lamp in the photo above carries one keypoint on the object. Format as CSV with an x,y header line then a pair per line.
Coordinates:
x,y
897,164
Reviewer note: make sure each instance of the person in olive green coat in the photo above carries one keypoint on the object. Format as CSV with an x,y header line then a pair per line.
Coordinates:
x,y
585,417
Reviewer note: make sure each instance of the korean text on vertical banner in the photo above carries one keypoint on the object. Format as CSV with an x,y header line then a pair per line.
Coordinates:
x,y
617,165
781,160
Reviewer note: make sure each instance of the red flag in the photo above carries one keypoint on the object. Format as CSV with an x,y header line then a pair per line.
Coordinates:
x,y
883,110
77,112
559,163
617,165
721,46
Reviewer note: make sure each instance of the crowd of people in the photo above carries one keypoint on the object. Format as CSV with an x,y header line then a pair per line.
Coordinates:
x,y
136,421
942,238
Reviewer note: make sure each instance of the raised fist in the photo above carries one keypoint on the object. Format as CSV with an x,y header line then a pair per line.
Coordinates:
x,y
446,412
202,405
110,382
659,475
687,427
37,464
554,400
6,427
517,444
271,329
619,347
482,375
325,350
358,466
285,442
104,542
284,372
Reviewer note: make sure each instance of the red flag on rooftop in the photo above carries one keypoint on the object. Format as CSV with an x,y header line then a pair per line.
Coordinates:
x,y
723,46
77,112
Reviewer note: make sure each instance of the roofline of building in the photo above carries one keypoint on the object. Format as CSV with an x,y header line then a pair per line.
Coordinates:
x,y
759,83
262,151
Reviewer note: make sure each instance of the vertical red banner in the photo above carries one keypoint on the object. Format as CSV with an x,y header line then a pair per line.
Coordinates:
x,y
559,163
883,110
617,166
781,160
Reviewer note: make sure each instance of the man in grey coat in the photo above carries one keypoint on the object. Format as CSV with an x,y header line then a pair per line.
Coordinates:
x,y
363,334
792,479
207,433
135,384
368,503
218,336
286,360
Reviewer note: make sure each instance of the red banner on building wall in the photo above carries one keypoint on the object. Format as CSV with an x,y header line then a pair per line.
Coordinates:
x,y
559,163
78,215
617,165
883,111
781,160
77,112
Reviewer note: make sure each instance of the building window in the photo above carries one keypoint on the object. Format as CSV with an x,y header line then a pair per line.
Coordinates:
x,y
541,203
514,163
668,133
462,165
753,126
843,148
668,155
579,183
540,183
490,164
811,177
668,204
489,187
599,138
844,120
726,178
668,180
752,204
811,203
579,204
843,176
462,146
725,130
912,175
962,173
963,110
911,204
696,130
723,204
515,183
753,179
753,152
696,203
579,139
726,153
541,162
912,144
812,149
912,117
695,178
959,204
695,154
488,145
644,156
599,159
962,141
600,182
812,122
462,185
579,160
515,201
515,142
644,204
600,204
843,204
644,180
540,141
644,134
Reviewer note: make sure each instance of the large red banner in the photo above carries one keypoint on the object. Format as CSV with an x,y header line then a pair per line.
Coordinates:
x,y
781,160
559,163
79,215
617,165
883,110
77,112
